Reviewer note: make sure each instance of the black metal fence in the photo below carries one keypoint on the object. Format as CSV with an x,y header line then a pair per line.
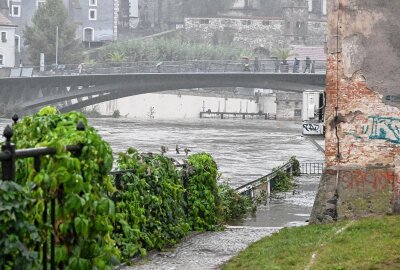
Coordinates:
x,y
312,168
8,156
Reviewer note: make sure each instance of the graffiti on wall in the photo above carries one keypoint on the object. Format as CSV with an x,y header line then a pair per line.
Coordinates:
x,y
379,128
313,129
378,180
384,128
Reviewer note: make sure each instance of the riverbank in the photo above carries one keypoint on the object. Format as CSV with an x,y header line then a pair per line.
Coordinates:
x,y
370,243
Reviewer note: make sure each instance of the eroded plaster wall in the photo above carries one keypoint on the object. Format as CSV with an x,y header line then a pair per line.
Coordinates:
x,y
362,114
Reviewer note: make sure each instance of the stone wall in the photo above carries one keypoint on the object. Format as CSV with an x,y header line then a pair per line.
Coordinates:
x,y
289,105
362,115
252,33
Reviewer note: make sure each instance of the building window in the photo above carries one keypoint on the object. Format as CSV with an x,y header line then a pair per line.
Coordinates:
x,y
246,22
297,112
16,11
317,25
17,43
204,21
92,3
1,60
92,14
266,22
3,37
287,25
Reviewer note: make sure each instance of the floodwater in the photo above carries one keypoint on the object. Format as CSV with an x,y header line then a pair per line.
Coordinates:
x,y
244,150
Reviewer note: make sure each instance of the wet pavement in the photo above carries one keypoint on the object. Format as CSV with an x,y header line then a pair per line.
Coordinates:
x,y
209,250
206,250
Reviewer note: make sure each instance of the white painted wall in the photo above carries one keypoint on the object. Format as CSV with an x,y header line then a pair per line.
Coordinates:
x,y
175,106
7,49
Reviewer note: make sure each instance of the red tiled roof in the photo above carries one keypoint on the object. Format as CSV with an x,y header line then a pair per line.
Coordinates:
x,y
4,21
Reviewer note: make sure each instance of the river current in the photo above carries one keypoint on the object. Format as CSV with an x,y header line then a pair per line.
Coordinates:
x,y
243,149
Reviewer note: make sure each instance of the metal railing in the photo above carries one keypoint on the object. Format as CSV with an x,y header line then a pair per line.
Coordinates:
x,y
312,168
8,156
187,66
247,189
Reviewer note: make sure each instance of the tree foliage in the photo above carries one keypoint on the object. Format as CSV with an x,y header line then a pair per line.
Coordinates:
x,y
41,36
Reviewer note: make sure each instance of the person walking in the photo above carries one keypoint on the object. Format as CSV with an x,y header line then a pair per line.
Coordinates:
x,y
308,65
296,65
256,64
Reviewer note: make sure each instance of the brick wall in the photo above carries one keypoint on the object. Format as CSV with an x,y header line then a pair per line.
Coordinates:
x,y
362,126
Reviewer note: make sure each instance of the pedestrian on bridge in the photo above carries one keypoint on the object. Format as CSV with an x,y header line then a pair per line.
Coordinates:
x,y
308,65
296,65
256,64
158,67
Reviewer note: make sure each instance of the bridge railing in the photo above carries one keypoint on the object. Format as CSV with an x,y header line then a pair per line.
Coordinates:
x,y
188,66
249,188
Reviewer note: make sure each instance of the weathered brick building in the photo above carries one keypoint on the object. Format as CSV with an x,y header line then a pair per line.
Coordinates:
x,y
362,113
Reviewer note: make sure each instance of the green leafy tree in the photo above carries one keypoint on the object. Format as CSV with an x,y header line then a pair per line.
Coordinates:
x,y
41,36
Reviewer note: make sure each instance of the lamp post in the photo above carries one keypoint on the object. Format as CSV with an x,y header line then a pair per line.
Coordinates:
x,y
56,47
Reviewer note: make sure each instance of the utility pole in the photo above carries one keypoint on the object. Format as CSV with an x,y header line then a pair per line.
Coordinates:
x,y
57,47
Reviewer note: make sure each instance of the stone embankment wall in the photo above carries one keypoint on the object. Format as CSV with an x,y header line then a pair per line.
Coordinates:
x,y
253,33
362,114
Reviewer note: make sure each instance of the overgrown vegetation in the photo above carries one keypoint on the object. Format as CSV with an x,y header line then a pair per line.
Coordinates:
x,y
204,204
234,205
370,243
283,181
164,50
156,203
150,204
79,183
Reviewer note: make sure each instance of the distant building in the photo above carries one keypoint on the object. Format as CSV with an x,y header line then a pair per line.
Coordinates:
x,y
289,106
7,42
302,23
96,19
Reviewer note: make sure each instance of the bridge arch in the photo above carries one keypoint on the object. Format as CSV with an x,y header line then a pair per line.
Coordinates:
x,y
35,92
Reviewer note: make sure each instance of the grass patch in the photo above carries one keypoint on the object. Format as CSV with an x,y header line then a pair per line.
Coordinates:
x,y
371,243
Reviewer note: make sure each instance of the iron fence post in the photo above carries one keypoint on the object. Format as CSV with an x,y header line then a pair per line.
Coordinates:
x,y
8,165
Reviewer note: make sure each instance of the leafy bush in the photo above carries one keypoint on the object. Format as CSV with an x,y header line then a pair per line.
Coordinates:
x,y
233,205
150,207
283,182
18,235
79,183
204,204
296,166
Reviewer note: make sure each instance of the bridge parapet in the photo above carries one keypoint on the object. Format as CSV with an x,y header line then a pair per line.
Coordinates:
x,y
187,66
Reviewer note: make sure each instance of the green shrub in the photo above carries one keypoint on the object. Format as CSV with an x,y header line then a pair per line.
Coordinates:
x,y
283,182
296,166
233,205
150,207
204,204
78,182
18,235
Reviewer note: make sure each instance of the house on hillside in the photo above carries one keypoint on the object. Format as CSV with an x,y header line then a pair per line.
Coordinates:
x,y
7,42
96,20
